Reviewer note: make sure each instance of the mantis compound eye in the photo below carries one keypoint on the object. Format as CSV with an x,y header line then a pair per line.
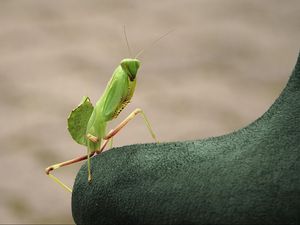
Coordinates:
x,y
130,66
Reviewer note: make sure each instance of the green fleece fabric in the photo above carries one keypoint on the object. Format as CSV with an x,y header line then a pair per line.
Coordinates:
x,y
251,176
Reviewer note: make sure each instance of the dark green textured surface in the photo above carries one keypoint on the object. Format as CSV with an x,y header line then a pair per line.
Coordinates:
x,y
251,176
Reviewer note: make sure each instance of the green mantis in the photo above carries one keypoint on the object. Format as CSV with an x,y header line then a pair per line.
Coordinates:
x,y
87,124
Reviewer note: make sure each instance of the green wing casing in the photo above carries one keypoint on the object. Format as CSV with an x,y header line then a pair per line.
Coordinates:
x,y
105,107
115,94
78,120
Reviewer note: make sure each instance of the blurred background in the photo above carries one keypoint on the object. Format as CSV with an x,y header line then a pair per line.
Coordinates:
x,y
222,67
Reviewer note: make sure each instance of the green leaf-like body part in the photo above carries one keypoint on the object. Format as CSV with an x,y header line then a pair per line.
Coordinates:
x,y
78,120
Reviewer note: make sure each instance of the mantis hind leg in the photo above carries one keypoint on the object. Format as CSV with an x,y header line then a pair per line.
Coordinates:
x,y
66,163
131,116
111,142
89,167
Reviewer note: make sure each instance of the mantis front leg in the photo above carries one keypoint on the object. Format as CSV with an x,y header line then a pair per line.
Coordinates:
x,y
131,116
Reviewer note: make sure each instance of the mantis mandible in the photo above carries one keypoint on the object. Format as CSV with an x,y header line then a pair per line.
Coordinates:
x,y
87,124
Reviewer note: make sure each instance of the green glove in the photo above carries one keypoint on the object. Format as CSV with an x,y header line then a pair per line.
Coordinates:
x,y
251,176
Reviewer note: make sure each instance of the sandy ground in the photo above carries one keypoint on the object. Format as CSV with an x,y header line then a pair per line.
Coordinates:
x,y
222,67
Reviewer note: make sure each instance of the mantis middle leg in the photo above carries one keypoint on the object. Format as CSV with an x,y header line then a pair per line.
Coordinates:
x,y
131,116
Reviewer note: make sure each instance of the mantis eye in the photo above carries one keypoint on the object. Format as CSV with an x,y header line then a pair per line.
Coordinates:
x,y
130,67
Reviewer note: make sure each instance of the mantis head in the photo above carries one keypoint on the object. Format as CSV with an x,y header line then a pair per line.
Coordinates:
x,y
130,67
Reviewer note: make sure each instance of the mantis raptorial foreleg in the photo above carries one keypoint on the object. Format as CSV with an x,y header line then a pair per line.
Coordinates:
x,y
131,116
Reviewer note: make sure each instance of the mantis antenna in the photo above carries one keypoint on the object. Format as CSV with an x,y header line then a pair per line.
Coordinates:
x,y
153,43
127,43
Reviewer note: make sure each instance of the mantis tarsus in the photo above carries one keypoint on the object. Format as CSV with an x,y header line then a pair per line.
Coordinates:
x,y
87,124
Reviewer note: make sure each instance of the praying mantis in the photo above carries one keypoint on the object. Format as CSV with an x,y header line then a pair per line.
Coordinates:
x,y
87,124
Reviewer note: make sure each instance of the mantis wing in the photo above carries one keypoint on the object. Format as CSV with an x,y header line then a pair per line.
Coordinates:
x,y
78,120
113,97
